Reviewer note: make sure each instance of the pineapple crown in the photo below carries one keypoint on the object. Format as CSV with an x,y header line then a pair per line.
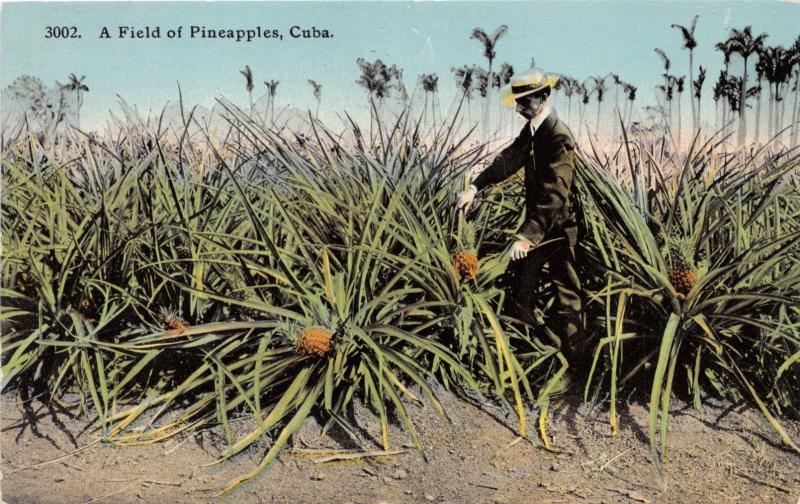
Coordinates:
x,y
467,235
167,314
677,249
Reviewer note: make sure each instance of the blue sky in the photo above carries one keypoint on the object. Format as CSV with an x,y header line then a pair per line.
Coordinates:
x,y
576,38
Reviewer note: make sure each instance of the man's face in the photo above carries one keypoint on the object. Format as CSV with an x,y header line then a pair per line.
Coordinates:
x,y
529,105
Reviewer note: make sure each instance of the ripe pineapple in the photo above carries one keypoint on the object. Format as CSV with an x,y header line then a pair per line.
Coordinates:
x,y
681,271
465,260
681,275
314,340
175,324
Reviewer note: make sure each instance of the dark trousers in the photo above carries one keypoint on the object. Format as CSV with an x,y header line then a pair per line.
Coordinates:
x,y
564,317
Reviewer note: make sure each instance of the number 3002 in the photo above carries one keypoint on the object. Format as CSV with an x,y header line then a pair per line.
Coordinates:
x,y
61,32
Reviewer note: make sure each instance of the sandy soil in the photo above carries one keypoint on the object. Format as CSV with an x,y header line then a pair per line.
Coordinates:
x,y
725,454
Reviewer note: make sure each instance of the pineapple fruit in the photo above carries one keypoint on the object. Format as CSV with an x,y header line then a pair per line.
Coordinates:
x,y
681,270
175,325
465,259
314,341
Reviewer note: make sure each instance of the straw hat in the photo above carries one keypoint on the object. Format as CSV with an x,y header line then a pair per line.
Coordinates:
x,y
525,84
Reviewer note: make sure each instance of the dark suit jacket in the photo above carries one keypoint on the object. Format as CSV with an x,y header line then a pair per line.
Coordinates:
x,y
549,161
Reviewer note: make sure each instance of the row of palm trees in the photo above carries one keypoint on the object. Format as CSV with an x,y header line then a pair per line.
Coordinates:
x,y
381,82
775,64
775,67
272,91
569,88
734,95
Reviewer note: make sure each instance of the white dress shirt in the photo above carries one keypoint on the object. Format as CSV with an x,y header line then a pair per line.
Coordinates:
x,y
537,121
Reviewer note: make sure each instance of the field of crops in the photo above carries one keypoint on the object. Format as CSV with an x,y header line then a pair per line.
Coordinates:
x,y
175,278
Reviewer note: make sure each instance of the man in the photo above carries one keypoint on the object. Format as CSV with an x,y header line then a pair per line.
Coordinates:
x,y
546,148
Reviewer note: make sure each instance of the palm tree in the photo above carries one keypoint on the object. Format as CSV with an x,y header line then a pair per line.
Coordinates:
x,y
430,85
679,83
618,83
379,79
583,89
558,91
248,85
719,93
317,89
744,43
394,79
465,77
430,82
733,88
668,90
485,79
272,88
570,88
770,58
795,49
483,83
505,74
697,87
489,42
503,78
599,88
689,43
76,86
726,50
785,69
664,59
762,66
373,79
796,110
630,94
577,90
667,87
565,84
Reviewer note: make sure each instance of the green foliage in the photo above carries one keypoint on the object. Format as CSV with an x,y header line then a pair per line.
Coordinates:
x,y
172,296
164,277
735,331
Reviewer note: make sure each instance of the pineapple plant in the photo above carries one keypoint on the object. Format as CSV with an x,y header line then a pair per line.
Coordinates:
x,y
465,259
314,341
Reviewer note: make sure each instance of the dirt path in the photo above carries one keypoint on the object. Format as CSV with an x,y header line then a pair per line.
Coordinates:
x,y
719,456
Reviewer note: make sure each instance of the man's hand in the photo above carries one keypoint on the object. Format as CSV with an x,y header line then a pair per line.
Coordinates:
x,y
465,199
520,249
